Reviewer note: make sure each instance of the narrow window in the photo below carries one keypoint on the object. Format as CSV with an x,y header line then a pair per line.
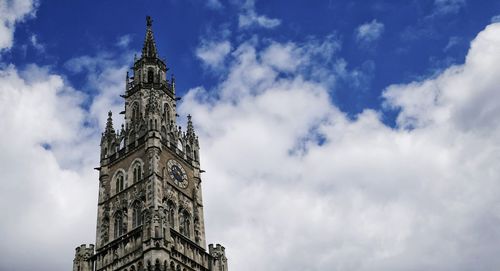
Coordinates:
x,y
170,213
150,76
184,223
119,183
136,216
118,225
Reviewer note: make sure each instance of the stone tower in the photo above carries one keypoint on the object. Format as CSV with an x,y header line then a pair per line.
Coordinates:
x,y
150,208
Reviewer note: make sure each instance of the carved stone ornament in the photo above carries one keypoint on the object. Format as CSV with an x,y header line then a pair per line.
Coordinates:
x,y
170,195
186,205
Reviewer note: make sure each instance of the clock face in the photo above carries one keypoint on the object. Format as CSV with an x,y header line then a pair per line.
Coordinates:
x,y
177,173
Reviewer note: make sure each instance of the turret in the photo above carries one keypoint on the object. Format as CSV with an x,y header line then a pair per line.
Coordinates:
x,y
82,261
191,141
219,260
108,139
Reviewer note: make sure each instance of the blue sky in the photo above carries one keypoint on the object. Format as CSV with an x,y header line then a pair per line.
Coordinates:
x,y
418,38
353,135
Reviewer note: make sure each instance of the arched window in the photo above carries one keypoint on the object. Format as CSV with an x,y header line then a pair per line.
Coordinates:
x,y
119,230
184,223
136,215
137,172
150,76
135,112
166,113
119,183
170,213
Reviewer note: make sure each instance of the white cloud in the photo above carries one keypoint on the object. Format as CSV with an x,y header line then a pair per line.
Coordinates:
x,y
495,19
213,53
448,6
48,191
105,78
369,32
452,42
40,48
50,145
287,169
11,13
124,41
214,4
250,18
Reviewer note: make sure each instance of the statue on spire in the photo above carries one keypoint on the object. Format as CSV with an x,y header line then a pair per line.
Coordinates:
x,y
149,21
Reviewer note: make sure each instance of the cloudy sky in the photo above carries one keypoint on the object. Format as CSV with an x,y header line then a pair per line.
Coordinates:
x,y
335,135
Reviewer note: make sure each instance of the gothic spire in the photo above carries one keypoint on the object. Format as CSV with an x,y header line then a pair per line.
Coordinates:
x,y
190,129
109,125
149,48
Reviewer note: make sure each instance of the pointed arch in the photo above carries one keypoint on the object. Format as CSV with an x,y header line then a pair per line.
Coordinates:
x,y
136,214
166,113
136,170
151,75
135,111
170,212
184,222
118,180
119,229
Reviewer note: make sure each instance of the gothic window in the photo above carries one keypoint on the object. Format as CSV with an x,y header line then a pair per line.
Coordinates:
x,y
136,216
188,151
137,172
135,112
119,230
164,132
170,213
184,223
119,183
150,76
166,113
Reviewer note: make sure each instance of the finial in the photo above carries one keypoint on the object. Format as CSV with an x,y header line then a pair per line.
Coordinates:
x,y
149,21
109,124
190,128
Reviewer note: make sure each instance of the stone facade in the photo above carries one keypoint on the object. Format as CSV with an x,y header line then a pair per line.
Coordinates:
x,y
150,208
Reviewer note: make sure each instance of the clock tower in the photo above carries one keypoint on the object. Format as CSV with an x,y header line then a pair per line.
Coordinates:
x,y
150,207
